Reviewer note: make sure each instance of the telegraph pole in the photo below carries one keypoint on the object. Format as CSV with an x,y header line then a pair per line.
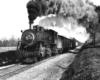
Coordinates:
x,y
93,31
92,28
94,35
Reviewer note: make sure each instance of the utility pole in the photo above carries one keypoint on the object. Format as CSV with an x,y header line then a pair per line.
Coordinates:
x,y
94,37
94,28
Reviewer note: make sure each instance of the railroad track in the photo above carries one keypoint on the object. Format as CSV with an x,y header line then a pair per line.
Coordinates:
x,y
18,68
10,71
8,57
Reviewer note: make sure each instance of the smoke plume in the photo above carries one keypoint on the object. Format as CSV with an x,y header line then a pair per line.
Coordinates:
x,y
75,8
67,17
68,27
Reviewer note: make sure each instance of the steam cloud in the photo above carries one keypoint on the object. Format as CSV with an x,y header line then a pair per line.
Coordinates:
x,y
68,28
63,16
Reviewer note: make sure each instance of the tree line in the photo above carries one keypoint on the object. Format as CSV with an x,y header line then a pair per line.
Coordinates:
x,y
12,42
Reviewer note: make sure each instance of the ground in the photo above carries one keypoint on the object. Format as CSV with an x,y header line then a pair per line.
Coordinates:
x,y
4,49
48,70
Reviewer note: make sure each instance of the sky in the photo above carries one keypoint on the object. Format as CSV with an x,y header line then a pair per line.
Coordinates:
x,y
14,17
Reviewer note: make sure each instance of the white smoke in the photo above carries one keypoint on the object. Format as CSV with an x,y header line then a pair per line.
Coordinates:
x,y
63,16
67,27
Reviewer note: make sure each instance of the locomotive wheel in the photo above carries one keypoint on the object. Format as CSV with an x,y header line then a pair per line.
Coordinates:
x,y
29,60
1,61
48,52
39,57
47,56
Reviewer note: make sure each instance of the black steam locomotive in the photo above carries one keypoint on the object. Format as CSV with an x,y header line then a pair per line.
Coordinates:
x,y
39,43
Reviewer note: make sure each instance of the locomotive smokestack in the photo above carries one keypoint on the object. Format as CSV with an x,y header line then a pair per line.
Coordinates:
x,y
29,25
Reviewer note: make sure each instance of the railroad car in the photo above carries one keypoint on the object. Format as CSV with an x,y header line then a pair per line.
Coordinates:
x,y
38,43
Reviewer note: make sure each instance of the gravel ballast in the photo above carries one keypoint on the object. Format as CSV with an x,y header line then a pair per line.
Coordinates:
x,y
49,70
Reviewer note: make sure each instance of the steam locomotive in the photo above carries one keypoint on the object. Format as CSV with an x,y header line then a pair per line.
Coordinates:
x,y
38,43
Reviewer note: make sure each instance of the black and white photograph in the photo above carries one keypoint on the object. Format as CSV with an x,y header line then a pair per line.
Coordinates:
x,y
50,40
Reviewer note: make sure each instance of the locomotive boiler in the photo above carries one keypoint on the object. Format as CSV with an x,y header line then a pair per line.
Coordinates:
x,y
39,43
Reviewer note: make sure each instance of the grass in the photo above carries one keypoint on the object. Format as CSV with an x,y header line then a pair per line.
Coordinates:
x,y
86,66
4,49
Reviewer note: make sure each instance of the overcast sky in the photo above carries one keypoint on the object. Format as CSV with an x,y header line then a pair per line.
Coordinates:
x,y
14,17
